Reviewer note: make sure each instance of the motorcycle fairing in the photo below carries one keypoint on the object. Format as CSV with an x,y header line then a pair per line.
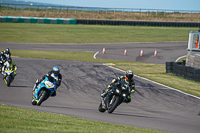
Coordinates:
x,y
45,84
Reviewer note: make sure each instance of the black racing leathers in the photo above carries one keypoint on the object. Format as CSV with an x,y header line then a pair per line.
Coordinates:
x,y
121,78
7,54
57,78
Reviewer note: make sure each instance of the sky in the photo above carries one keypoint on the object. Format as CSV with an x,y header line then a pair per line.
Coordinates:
x,y
143,4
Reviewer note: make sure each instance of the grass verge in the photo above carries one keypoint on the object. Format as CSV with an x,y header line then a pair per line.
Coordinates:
x,y
19,120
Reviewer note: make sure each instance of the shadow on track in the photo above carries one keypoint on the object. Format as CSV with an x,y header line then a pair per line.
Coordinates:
x,y
121,114
19,86
72,108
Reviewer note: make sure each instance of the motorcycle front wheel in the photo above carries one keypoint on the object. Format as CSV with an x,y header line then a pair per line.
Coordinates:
x,y
101,109
42,97
33,102
113,103
8,81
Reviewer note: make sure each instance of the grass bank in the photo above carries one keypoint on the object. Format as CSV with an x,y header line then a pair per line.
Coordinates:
x,y
56,33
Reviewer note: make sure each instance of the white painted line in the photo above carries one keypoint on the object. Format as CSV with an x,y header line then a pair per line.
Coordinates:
x,y
157,83
180,58
95,55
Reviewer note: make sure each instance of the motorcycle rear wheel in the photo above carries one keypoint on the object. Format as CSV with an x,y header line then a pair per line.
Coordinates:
x,y
114,105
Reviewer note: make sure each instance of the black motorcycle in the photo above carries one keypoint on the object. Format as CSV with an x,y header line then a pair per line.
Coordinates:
x,y
8,75
118,94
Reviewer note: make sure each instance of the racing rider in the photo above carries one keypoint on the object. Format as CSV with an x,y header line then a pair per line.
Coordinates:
x,y
7,53
10,63
55,73
128,79
2,60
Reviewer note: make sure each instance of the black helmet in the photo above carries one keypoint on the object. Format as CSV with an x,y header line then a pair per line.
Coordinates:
x,y
9,60
129,75
7,49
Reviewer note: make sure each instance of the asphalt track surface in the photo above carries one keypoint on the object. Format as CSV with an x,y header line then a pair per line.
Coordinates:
x,y
153,106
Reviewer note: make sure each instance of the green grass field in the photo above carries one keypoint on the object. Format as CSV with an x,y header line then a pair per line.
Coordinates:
x,y
52,33
15,119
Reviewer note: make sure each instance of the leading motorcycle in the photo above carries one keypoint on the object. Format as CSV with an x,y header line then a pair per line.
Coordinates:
x,y
43,90
118,94
8,75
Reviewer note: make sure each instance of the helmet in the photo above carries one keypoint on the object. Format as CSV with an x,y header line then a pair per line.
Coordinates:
x,y
9,60
2,52
56,70
7,49
129,75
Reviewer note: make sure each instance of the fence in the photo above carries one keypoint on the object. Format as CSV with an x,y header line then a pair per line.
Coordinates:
x,y
101,13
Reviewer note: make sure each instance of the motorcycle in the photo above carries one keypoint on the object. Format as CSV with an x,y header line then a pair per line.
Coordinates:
x,y
118,94
43,90
8,75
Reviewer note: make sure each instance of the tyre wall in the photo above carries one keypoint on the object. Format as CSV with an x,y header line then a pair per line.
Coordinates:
x,y
179,69
138,23
37,20
94,22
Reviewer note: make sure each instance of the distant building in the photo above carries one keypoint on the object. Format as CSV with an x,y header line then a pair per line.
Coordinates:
x,y
193,50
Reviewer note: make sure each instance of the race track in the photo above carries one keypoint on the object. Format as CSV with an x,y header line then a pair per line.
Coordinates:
x,y
166,51
153,106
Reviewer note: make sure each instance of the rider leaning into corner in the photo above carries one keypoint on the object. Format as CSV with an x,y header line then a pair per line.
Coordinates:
x,y
10,63
2,60
128,79
7,53
55,73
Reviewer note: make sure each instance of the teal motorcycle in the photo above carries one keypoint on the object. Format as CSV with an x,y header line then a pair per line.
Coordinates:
x,y
43,90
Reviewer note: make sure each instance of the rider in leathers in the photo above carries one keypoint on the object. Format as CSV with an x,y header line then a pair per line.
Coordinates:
x,y
128,79
7,53
10,63
2,60
55,73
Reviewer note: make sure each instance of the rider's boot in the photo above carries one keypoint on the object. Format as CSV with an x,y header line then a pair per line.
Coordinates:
x,y
53,94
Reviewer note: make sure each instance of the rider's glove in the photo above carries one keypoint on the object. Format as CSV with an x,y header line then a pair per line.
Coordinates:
x,y
121,77
37,81
110,86
105,93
